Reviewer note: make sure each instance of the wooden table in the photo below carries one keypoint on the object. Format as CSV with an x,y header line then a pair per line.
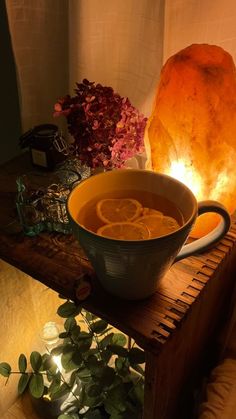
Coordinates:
x,y
175,327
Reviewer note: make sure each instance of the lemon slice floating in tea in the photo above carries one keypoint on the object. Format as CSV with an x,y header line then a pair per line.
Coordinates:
x,y
158,224
151,211
124,231
169,224
117,210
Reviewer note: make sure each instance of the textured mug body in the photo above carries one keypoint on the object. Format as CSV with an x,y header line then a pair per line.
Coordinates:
x,y
131,269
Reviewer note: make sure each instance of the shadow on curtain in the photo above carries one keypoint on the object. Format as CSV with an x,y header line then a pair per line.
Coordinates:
x,y
10,119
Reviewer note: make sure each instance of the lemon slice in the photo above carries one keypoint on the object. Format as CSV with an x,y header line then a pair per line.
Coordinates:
x,y
158,225
124,231
169,224
153,223
118,210
151,211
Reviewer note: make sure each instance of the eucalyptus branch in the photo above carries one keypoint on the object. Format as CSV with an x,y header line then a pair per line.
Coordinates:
x,y
94,335
69,387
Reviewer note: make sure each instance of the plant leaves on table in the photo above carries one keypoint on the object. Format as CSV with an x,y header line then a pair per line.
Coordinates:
x,y
70,324
5,369
22,363
136,356
23,382
55,384
57,350
118,350
62,391
119,339
36,385
137,393
106,340
71,359
48,363
68,309
98,326
90,316
35,360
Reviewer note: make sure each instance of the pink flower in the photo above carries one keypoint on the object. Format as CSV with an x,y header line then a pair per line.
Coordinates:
x,y
107,129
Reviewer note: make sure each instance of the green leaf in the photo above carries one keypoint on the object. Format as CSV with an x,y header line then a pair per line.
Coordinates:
x,y
95,366
116,399
58,350
136,356
66,416
138,393
69,324
118,350
89,316
75,332
5,369
22,363
106,341
64,335
47,362
139,369
35,360
92,401
73,379
94,414
68,309
106,355
107,377
62,391
36,385
55,384
23,382
94,390
117,415
83,345
111,408
71,359
105,331
122,367
119,339
83,373
99,326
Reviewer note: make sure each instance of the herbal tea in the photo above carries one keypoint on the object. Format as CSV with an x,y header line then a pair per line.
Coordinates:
x,y
130,215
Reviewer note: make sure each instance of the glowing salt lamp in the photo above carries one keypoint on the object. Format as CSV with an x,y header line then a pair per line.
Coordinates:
x,y
191,134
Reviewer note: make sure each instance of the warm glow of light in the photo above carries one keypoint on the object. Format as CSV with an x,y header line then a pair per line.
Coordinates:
x,y
57,361
185,173
221,185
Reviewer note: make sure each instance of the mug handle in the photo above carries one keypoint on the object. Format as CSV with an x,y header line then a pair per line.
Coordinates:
x,y
214,236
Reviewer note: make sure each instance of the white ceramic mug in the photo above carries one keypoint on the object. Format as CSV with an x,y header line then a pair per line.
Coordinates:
x,y
133,269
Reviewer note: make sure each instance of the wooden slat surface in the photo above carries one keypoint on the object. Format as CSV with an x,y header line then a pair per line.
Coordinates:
x,y
57,261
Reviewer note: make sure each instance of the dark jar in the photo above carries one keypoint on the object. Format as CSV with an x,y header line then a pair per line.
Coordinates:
x,y
44,145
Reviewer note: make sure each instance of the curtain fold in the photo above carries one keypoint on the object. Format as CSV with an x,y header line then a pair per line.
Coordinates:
x,y
117,43
39,31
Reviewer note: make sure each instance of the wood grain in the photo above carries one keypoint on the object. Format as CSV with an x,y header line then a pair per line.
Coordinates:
x,y
21,409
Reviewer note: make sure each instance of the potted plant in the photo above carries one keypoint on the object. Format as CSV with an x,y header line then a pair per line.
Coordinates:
x,y
100,377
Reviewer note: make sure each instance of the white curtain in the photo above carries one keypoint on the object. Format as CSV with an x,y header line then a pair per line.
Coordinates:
x,y
118,43
59,42
121,43
199,21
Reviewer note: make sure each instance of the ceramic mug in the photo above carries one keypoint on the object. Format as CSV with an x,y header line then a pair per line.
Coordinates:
x,y
132,269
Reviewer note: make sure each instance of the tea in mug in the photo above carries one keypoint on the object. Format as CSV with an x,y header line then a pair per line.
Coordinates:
x,y
130,215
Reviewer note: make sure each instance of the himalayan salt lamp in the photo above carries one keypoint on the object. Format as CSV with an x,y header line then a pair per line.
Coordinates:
x,y
191,133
